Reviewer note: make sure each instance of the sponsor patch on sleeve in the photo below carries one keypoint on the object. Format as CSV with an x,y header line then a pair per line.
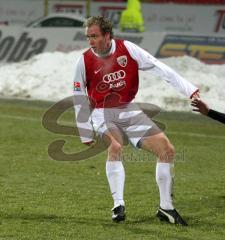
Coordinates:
x,y
76,86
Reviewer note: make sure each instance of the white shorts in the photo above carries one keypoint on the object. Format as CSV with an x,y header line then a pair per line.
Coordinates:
x,y
130,120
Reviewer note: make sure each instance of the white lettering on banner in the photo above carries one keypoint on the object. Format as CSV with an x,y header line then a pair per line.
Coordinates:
x,y
112,77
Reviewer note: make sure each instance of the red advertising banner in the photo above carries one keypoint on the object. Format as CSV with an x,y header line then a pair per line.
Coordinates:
x,y
71,8
188,1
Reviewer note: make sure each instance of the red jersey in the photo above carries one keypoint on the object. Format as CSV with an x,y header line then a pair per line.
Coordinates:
x,y
111,81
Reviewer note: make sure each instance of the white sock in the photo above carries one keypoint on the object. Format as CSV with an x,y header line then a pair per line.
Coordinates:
x,y
164,181
116,178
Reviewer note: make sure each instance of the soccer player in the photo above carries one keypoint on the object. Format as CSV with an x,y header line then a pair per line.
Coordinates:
x,y
105,85
204,109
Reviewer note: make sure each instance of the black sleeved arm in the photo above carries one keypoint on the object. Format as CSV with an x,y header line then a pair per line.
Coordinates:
x,y
217,115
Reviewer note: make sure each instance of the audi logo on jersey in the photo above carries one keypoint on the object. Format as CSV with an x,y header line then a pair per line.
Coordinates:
x,y
112,77
113,81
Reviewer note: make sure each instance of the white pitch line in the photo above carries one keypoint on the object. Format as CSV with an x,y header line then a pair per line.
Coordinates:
x,y
190,134
30,119
19,117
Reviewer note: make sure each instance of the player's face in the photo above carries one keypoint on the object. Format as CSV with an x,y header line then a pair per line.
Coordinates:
x,y
98,42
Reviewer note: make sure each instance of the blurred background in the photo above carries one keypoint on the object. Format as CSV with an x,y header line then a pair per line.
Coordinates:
x,y
189,35
174,25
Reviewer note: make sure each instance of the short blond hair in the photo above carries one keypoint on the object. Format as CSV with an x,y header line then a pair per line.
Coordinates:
x,y
104,24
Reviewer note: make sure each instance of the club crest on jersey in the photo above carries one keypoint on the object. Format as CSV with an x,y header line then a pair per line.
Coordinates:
x,y
76,86
122,61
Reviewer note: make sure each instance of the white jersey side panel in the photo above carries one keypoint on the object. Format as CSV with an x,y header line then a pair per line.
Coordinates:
x,y
81,103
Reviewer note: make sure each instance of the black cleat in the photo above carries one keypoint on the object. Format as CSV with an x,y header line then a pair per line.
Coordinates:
x,y
118,214
171,216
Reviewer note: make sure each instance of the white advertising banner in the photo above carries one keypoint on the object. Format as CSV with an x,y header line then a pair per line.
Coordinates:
x,y
184,18
204,19
20,12
110,10
18,44
77,7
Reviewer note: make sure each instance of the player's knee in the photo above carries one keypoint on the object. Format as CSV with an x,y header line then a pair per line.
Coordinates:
x,y
168,153
115,150
171,152
115,147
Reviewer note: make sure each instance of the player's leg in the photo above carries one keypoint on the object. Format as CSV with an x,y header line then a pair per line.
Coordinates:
x,y
160,145
112,137
115,171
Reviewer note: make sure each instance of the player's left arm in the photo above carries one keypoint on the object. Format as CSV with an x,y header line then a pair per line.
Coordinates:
x,y
148,62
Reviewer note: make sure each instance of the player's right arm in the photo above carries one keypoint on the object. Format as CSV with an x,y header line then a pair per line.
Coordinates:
x,y
81,104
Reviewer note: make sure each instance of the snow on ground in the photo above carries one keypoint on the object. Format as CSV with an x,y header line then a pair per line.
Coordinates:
x,y
49,76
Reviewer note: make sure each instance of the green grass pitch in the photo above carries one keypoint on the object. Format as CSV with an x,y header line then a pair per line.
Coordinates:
x,y
46,199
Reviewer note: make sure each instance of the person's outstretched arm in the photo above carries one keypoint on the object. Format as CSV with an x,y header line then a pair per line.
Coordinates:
x,y
204,109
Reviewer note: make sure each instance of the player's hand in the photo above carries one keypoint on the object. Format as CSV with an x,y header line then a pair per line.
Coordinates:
x,y
90,143
196,94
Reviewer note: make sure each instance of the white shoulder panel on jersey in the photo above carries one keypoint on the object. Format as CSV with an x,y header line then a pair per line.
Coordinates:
x,y
144,59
